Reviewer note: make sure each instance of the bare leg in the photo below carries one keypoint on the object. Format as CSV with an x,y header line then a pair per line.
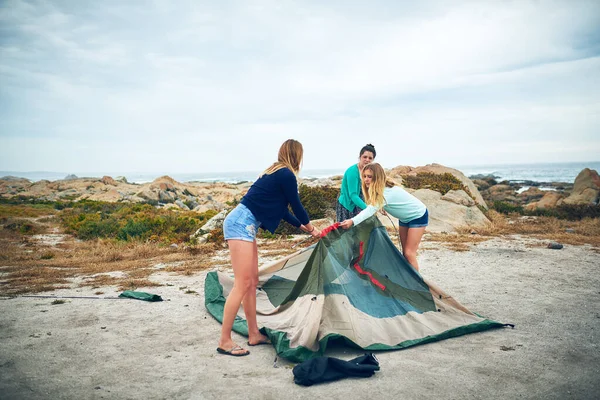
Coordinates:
x,y
403,235
242,259
249,303
409,248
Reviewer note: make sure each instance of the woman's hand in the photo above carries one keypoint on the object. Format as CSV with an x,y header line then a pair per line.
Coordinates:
x,y
314,232
382,211
347,224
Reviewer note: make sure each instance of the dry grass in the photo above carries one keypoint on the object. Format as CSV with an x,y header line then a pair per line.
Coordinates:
x,y
586,231
28,266
26,211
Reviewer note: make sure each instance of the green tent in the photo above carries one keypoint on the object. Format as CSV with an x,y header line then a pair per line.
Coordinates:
x,y
352,286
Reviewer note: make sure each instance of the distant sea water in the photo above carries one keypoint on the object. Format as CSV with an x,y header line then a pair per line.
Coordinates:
x,y
541,172
144,177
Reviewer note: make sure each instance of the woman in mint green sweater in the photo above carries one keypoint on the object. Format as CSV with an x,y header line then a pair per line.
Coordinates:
x,y
351,201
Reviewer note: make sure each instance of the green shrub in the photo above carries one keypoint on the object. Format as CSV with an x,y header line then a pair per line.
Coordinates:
x,y
504,207
319,202
91,228
442,183
134,229
21,226
571,212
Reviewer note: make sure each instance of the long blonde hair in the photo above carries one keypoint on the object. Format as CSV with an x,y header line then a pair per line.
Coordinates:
x,y
374,193
290,156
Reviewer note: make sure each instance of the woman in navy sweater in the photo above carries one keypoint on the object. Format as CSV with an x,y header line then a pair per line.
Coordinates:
x,y
265,205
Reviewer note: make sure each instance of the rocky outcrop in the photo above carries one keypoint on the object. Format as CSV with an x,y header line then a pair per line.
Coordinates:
x,y
459,197
216,222
164,190
533,195
446,213
399,171
551,199
586,189
107,180
447,216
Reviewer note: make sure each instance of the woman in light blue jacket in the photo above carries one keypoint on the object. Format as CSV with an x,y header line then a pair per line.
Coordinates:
x,y
381,192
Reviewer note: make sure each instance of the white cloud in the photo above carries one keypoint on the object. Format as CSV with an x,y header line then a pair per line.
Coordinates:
x,y
218,86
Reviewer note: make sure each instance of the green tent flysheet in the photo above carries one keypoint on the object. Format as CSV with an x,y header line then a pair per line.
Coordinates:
x,y
352,286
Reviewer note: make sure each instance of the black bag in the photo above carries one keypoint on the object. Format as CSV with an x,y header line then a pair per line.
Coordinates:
x,y
327,369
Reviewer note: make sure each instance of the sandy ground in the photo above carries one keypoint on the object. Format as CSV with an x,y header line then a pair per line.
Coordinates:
x,y
130,349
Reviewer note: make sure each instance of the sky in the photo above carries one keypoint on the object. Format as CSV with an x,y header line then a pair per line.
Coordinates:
x,y
201,86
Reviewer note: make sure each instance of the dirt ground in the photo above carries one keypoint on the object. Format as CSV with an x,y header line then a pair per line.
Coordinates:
x,y
108,348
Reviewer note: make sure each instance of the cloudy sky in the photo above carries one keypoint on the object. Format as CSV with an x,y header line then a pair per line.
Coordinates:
x,y
200,86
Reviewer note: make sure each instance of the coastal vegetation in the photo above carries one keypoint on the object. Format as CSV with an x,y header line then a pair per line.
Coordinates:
x,y
45,245
442,183
570,212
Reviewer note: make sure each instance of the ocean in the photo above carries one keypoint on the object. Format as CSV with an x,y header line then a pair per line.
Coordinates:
x,y
541,172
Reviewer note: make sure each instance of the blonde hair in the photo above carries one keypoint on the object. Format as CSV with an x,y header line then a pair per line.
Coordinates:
x,y
374,193
290,156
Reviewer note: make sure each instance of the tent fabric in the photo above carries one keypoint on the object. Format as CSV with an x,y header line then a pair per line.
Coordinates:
x,y
353,286
140,296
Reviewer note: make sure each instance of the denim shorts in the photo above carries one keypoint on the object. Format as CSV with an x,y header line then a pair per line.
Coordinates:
x,y
240,224
417,222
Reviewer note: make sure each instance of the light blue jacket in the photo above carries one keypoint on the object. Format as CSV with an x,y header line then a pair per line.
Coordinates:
x,y
398,203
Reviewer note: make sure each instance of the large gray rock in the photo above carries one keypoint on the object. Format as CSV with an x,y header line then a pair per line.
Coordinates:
x,y
148,194
182,205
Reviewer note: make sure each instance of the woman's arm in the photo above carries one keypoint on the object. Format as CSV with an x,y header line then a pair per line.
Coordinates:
x,y
290,190
364,214
354,189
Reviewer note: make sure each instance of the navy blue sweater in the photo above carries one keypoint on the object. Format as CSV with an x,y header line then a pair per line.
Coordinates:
x,y
269,196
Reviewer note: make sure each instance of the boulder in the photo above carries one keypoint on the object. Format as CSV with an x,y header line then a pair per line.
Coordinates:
x,y
586,189
551,199
459,197
107,180
481,184
166,197
500,192
182,205
447,216
148,195
213,223
203,208
440,170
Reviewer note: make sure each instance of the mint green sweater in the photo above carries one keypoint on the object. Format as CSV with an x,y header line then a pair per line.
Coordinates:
x,y
350,190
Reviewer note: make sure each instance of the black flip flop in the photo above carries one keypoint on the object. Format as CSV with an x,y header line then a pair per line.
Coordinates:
x,y
230,352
